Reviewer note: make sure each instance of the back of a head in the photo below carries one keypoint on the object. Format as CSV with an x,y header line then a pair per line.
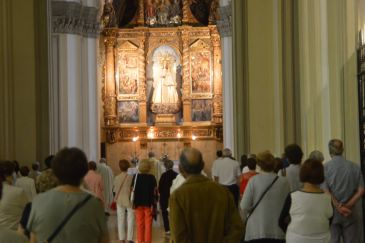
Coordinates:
x,y
124,165
168,164
316,155
266,161
144,166
294,153
219,153
335,147
226,153
191,161
92,165
151,154
48,161
70,166
102,161
7,169
251,163
312,172
35,166
24,170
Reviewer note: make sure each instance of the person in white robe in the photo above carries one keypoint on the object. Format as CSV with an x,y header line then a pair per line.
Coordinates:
x,y
108,179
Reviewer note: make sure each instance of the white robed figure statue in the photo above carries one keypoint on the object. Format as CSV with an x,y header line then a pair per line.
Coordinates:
x,y
165,99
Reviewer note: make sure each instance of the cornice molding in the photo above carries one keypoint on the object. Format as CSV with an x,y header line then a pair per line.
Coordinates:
x,y
74,18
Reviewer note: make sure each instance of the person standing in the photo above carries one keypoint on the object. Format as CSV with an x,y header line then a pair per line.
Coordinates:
x,y
156,169
94,182
122,190
108,178
294,154
201,210
226,172
344,182
164,186
145,196
26,183
245,177
263,201
49,209
47,179
34,173
13,198
308,211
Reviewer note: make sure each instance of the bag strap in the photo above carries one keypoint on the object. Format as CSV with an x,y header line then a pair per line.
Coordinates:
x,y
68,217
262,195
120,188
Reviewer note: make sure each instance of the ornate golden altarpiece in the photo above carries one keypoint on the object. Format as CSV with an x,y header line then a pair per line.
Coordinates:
x,y
136,59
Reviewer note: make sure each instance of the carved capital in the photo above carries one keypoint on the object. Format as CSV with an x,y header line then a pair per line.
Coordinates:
x,y
224,24
73,18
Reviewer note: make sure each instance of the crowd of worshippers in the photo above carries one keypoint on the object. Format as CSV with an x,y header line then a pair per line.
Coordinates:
x,y
262,199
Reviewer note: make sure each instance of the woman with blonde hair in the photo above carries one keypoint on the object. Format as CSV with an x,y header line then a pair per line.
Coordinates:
x,y
144,190
262,202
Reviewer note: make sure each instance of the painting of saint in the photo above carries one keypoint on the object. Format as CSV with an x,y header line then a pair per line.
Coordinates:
x,y
200,72
128,75
201,110
128,112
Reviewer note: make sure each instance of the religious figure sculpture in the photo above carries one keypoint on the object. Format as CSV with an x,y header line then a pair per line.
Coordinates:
x,y
163,12
165,99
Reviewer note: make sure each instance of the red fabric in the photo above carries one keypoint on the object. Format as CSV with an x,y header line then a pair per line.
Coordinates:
x,y
245,177
144,224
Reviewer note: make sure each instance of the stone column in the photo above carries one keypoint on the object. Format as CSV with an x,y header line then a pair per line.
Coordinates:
x,y
142,81
225,29
75,115
186,86
217,76
110,84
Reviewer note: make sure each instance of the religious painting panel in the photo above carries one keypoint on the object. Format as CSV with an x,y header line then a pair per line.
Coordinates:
x,y
127,76
128,111
201,110
200,72
163,12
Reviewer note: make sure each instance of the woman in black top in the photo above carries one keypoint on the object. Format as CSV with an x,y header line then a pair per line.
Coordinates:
x,y
144,200
164,190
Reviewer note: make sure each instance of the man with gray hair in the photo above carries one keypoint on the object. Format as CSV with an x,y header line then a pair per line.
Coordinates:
x,y
226,172
344,182
201,210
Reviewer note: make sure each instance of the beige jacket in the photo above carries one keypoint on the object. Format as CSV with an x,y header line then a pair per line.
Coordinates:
x,y
124,195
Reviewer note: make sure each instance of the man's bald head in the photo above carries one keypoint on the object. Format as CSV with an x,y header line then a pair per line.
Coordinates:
x,y
191,161
335,147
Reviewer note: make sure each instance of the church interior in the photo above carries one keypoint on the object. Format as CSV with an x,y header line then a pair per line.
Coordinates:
x,y
120,78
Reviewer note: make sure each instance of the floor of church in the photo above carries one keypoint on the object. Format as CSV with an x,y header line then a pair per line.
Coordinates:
x,y
158,234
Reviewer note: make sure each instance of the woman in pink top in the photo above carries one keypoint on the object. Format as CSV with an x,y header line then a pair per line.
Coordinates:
x,y
94,182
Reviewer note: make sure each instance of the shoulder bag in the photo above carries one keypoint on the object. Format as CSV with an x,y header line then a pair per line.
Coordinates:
x,y
67,218
113,205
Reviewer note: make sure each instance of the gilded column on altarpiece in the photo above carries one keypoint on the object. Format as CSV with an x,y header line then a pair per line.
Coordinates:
x,y
110,102
217,76
186,86
142,80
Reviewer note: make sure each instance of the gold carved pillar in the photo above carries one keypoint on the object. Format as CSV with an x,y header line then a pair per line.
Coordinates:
x,y
140,15
217,76
110,102
186,95
142,80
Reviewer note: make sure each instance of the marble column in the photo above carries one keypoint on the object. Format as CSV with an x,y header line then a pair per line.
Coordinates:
x,y
225,29
75,116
